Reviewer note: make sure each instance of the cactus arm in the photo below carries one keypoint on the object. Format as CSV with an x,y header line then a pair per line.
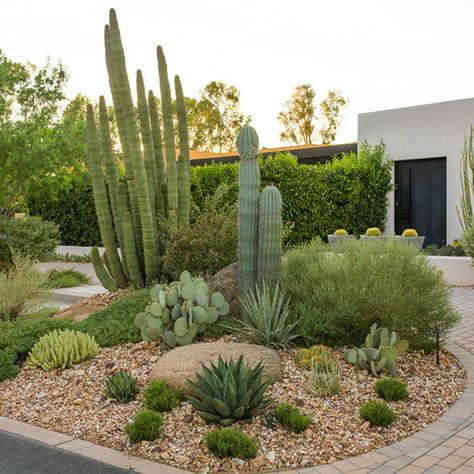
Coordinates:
x,y
184,187
160,172
150,249
249,182
148,151
129,246
105,279
101,200
269,236
170,148
124,141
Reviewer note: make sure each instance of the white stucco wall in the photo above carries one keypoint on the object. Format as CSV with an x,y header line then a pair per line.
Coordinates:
x,y
424,131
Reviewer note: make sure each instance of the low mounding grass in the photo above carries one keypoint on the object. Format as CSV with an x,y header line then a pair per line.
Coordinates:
x,y
66,279
45,312
116,324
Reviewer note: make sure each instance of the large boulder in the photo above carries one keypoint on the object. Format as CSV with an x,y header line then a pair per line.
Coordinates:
x,y
226,281
179,365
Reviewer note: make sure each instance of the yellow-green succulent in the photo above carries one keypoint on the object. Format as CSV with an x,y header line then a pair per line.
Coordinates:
x,y
373,232
340,232
410,233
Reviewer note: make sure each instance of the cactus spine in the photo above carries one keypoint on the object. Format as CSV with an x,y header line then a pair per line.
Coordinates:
x,y
260,222
269,235
249,182
132,213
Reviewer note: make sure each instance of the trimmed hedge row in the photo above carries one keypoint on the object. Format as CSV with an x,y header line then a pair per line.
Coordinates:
x,y
350,193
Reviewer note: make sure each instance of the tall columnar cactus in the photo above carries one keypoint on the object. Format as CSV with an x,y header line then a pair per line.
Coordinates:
x,y
269,235
131,215
249,182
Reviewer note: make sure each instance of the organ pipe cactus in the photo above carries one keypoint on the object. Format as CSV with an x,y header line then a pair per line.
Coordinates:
x,y
130,214
380,351
260,221
179,311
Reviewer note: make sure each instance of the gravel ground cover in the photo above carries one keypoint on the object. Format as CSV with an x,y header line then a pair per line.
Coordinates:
x,y
71,402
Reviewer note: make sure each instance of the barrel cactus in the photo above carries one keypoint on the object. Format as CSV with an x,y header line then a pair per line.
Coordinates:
x,y
181,310
229,392
410,233
373,232
341,232
380,351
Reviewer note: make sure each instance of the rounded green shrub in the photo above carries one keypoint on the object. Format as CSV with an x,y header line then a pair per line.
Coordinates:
x,y
338,297
377,413
373,232
159,397
410,233
146,426
62,349
227,442
121,386
8,368
391,389
291,417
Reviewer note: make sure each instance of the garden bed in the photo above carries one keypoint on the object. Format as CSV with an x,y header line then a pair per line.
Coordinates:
x,y
71,402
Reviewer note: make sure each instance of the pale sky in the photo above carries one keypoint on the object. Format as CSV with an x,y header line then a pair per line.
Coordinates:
x,y
379,53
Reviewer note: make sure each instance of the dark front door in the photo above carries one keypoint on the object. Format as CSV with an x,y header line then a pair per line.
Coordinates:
x,y
420,198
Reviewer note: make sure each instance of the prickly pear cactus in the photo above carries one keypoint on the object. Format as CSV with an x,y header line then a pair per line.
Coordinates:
x,y
379,353
179,311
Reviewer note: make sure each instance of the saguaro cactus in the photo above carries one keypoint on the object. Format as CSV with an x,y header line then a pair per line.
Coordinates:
x,y
269,235
249,182
132,214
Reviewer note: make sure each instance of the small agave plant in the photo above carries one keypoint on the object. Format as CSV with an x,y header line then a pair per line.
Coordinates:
x,y
229,392
380,351
180,311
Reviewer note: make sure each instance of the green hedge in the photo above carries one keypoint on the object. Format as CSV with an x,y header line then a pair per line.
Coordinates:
x,y
349,193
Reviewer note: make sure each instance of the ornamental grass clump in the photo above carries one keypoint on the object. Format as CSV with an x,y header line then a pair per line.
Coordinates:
x,y
146,426
338,296
291,417
319,355
325,380
227,442
159,397
121,386
377,413
229,392
267,311
62,349
391,389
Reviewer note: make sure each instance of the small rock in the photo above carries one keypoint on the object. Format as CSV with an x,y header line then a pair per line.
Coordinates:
x,y
55,393
299,402
308,434
239,461
164,455
271,456
154,359
109,364
41,395
226,466
78,401
188,418
258,461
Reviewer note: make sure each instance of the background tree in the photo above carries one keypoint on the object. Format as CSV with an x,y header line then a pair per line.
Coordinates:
x,y
214,118
300,115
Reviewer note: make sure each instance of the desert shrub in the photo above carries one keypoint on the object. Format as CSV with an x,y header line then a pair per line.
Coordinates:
x,y
338,296
467,240
391,389
19,283
319,355
66,278
159,397
29,237
325,379
291,417
146,426
62,349
115,324
208,243
8,367
377,413
121,386
227,442
211,392
267,324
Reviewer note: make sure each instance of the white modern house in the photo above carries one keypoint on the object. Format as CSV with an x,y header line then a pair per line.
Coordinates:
x,y
425,143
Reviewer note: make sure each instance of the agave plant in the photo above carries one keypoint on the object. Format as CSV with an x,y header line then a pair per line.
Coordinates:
x,y
230,392
120,386
267,312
